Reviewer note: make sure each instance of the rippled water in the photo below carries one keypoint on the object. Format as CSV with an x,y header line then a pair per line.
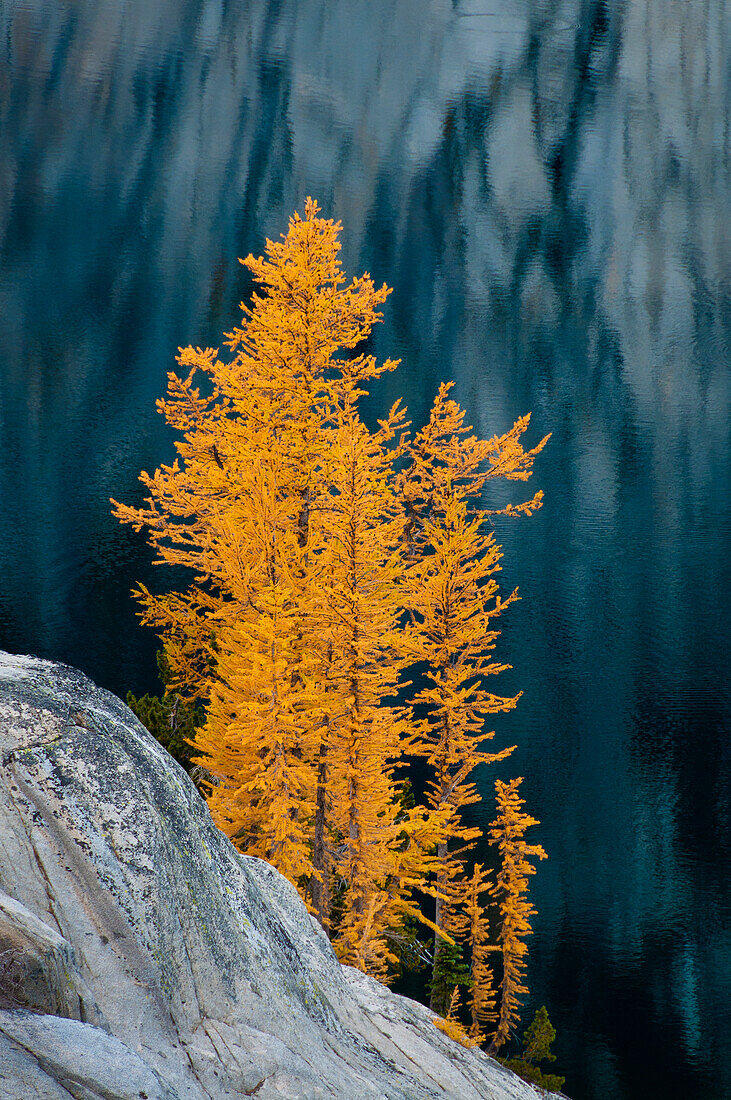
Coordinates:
x,y
545,185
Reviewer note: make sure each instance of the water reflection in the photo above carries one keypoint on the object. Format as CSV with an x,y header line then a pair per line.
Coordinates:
x,y
544,185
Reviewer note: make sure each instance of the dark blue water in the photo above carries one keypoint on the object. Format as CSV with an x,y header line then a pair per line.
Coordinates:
x,y
545,185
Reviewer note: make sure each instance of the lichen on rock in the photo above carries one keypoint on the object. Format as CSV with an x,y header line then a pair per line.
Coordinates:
x,y
142,956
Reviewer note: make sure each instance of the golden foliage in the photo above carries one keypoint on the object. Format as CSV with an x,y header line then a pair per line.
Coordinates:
x,y
453,599
367,731
327,559
515,910
451,1025
473,928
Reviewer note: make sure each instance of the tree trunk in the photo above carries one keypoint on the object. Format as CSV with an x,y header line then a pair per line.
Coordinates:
x,y
440,996
321,889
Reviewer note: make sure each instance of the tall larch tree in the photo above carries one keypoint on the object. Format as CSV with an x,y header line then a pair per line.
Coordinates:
x,y
363,523
511,886
381,852
241,508
453,600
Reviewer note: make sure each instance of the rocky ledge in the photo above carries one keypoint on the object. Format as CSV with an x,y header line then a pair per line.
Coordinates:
x,y
143,958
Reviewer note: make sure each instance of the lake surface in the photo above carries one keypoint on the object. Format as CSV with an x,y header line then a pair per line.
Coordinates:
x,y
545,185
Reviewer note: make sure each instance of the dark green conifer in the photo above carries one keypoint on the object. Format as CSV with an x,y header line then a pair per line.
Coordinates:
x,y
170,720
537,1040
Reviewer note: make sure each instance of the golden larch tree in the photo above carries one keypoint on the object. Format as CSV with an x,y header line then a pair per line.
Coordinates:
x,y
453,599
451,1024
366,728
381,852
309,539
241,507
472,928
511,886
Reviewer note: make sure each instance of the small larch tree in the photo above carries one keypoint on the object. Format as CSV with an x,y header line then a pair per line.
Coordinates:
x,y
482,1001
511,887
